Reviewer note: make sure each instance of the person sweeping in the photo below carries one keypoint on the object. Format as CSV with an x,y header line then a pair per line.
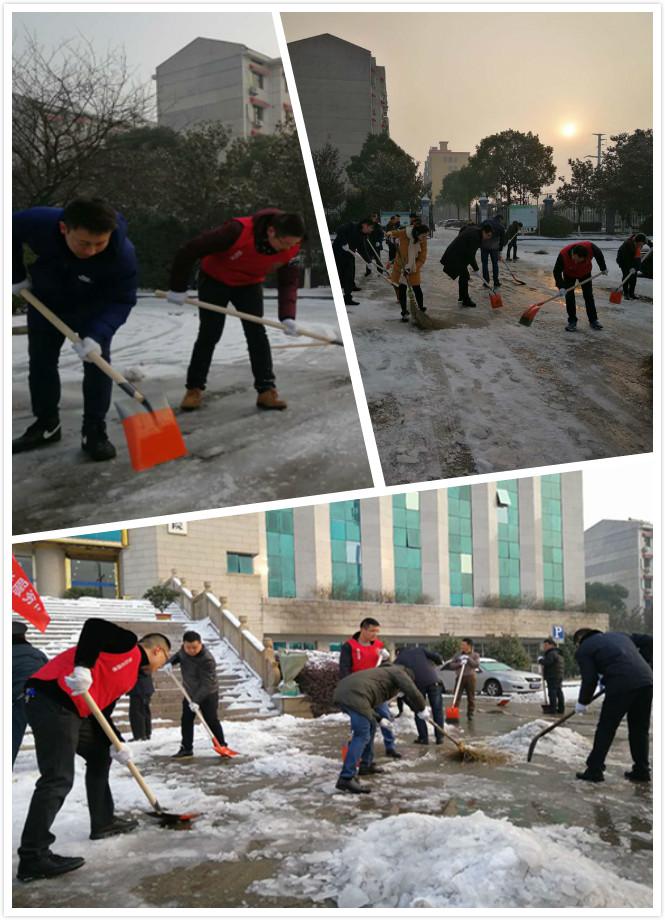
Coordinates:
x,y
83,267
629,260
410,256
460,254
235,259
574,264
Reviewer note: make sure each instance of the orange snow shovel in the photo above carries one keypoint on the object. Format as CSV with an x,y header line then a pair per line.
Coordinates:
x,y
617,293
452,712
531,312
153,437
167,819
495,299
220,749
250,318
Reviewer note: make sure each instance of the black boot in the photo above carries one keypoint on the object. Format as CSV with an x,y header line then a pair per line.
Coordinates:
x,y
183,754
356,288
351,785
405,317
467,302
40,434
117,826
47,866
637,777
349,301
95,442
591,776
572,325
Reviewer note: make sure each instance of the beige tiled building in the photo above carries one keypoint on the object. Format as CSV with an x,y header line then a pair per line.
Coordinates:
x,y
441,161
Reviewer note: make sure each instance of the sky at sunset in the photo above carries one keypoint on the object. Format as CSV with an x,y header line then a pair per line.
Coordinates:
x,y
462,76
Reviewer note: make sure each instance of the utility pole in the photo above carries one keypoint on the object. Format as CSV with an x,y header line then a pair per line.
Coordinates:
x,y
597,156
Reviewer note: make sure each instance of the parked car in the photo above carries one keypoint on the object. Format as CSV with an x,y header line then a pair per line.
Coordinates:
x,y
495,679
454,222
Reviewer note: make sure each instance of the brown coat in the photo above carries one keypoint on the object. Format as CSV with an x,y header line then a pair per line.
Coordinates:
x,y
401,237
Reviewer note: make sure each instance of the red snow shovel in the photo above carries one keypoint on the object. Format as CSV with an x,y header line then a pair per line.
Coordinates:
x,y
452,712
531,312
166,819
617,293
153,437
495,299
220,749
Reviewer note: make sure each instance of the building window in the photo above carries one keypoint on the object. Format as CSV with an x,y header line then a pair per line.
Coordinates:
x,y
345,548
508,535
97,577
239,564
460,546
281,553
550,490
27,564
257,116
406,540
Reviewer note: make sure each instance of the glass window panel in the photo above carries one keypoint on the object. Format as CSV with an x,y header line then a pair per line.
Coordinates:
x,y
399,517
503,498
337,530
503,550
352,552
502,515
466,563
467,583
353,531
412,500
400,536
514,551
338,551
413,538
467,599
466,545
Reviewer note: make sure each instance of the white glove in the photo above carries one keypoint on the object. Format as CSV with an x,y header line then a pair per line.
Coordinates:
x,y
178,297
464,659
79,680
604,271
168,667
21,285
562,292
423,714
386,723
123,756
580,708
384,654
85,347
289,327
194,706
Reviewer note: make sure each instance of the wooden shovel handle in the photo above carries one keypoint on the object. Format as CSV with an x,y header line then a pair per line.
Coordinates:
x,y
198,715
117,744
69,333
568,290
250,318
458,685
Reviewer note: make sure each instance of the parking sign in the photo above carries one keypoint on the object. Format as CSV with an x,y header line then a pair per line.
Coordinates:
x,y
558,633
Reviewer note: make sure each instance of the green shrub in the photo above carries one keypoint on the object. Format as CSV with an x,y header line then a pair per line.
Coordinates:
x,y
160,596
556,225
75,593
447,646
508,649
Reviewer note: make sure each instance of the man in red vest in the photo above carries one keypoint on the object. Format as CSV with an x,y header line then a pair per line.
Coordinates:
x,y
235,259
106,661
574,264
365,650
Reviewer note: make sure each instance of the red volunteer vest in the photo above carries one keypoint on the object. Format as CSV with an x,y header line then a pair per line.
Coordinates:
x,y
242,265
364,656
112,676
579,269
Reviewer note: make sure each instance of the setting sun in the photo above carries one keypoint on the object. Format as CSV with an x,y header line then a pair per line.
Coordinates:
x,y
569,129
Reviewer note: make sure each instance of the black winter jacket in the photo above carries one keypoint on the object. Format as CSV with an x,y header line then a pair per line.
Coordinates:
x,y
462,252
419,660
26,659
349,235
557,271
553,665
626,253
199,673
364,690
613,658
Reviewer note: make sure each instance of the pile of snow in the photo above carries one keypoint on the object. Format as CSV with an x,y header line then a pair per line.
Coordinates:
x,y
484,862
319,659
564,745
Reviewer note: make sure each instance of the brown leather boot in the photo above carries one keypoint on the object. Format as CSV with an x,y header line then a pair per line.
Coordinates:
x,y
269,399
192,400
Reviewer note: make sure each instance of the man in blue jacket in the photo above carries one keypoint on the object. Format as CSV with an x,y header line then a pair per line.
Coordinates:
x,y
613,659
83,267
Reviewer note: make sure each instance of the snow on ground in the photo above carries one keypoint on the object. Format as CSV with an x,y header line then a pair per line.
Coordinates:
x,y
274,834
565,744
486,394
237,454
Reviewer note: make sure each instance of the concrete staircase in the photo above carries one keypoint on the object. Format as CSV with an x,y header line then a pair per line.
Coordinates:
x,y
240,692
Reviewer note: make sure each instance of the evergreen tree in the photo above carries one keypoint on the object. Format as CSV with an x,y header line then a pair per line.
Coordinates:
x,y
384,176
513,166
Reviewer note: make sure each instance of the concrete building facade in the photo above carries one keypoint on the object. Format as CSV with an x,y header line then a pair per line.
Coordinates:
x,y
342,93
439,162
212,80
460,558
621,552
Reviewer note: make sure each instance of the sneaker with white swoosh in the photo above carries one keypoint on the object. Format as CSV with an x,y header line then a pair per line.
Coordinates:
x,y
40,434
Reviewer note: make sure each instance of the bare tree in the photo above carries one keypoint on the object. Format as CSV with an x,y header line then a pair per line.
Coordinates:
x,y
67,103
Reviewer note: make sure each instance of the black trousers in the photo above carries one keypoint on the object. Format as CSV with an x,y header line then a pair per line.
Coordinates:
x,y
587,291
555,694
401,296
59,735
209,712
346,269
636,706
463,282
140,717
247,299
44,345
629,285
512,246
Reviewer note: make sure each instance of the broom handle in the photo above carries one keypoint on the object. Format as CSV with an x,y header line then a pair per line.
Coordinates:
x,y
117,744
568,290
250,318
445,733
459,684
69,333
198,715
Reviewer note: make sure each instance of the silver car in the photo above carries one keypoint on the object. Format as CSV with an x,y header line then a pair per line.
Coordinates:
x,y
495,679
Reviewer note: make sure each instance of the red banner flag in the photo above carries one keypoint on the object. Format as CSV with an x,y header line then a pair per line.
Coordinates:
x,y
25,600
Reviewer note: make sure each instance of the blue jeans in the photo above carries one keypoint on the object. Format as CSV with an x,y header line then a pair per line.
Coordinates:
x,y
435,697
361,746
485,255
383,712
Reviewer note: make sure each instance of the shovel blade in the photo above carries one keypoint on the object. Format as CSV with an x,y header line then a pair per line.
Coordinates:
x,y
616,296
452,715
495,301
167,819
223,750
153,438
529,314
